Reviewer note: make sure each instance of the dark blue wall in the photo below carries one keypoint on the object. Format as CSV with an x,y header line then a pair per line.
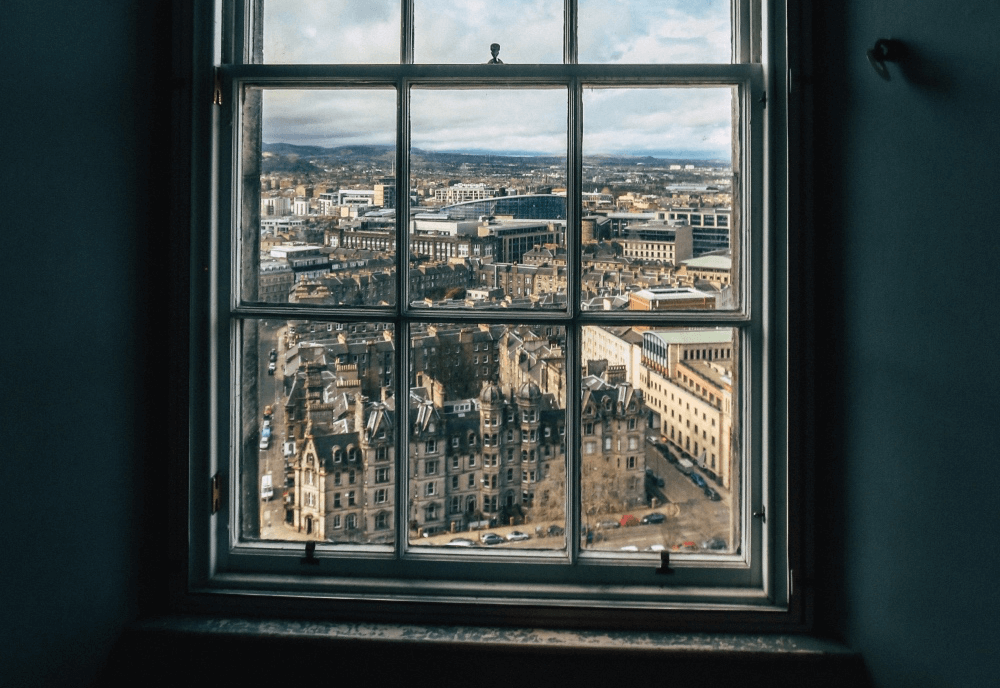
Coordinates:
x,y
84,173
907,267
907,190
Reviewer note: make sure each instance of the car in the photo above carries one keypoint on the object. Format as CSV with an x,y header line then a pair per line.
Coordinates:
x,y
516,535
715,543
711,494
491,539
653,518
271,367
266,487
268,412
555,530
267,423
629,548
460,542
609,524
273,356
654,548
698,480
265,441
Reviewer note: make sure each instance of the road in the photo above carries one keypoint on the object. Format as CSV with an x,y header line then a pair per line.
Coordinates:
x,y
272,461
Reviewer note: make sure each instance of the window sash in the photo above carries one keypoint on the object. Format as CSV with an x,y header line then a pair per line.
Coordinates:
x,y
733,580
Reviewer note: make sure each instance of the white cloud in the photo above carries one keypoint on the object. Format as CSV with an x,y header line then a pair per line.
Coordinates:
x,y
653,121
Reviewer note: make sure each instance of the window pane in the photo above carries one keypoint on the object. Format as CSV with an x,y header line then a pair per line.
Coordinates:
x,y
327,198
323,430
655,31
457,31
487,446
660,439
489,167
330,31
658,225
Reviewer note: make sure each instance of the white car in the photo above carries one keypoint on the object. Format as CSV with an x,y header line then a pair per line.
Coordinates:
x,y
630,548
516,535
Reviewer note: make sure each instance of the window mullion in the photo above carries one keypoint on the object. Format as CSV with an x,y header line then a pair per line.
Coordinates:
x,y
402,377
570,43
406,32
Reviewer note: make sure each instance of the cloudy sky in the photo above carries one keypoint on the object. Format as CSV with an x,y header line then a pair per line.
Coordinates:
x,y
680,122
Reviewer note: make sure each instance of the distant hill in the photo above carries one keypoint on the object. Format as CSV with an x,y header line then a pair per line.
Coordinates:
x,y
288,157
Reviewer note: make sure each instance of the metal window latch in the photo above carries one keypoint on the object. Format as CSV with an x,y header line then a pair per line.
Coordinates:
x,y
310,557
216,493
763,99
664,563
217,92
762,515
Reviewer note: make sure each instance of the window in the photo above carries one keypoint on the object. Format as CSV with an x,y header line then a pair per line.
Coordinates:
x,y
663,130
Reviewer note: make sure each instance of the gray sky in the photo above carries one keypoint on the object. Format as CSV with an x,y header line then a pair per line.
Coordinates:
x,y
683,122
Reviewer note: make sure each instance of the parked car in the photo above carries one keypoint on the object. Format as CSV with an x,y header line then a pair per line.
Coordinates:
x,y
491,539
460,542
698,480
654,548
266,487
629,548
609,524
712,494
273,356
516,535
653,518
271,368
555,530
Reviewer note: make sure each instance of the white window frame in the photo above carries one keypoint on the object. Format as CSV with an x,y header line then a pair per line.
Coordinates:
x,y
755,583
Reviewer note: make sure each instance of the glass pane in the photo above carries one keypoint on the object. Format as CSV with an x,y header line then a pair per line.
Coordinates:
x,y
655,31
327,212
659,231
659,439
457,31
489,227
321,431
330,31
487,459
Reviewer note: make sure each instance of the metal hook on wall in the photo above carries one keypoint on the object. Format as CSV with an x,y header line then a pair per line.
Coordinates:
x,y
885,50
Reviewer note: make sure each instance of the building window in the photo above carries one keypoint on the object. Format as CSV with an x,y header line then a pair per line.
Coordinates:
x,y
591,106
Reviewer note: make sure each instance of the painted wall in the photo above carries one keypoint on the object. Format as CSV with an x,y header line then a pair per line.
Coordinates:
x,y
906,457
907,218
82,161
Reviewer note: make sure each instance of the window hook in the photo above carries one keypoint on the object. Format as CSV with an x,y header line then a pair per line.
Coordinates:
x,y
884,50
